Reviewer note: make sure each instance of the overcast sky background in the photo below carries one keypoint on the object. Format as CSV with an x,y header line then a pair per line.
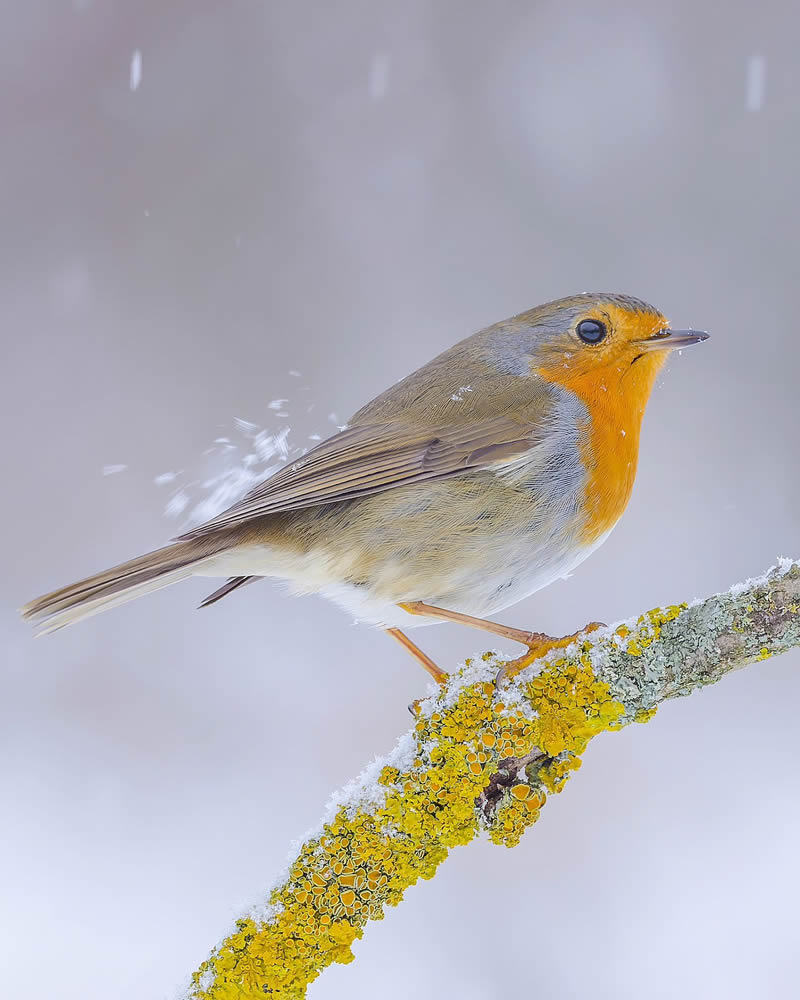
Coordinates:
x,y
344,190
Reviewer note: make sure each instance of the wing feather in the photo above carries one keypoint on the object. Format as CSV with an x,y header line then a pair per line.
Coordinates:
x,y
370,459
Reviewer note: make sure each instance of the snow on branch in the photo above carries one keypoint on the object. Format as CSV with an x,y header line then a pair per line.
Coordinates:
x,y
482,759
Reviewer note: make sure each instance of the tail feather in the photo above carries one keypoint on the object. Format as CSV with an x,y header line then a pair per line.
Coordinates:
x,y
233,583
117,585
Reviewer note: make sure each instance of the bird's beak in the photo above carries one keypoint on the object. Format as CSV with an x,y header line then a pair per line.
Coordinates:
x,y
671,340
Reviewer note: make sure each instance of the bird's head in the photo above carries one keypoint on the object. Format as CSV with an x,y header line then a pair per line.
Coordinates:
x,y
599,343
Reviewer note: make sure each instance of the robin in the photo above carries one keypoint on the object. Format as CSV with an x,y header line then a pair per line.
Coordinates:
x,y
491,471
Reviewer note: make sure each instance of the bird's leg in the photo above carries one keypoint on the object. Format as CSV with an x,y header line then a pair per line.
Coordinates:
x,y
538,649
436,672
506,631
538,643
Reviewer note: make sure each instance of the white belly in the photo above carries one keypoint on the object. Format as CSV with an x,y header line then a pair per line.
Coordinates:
x,y
481,590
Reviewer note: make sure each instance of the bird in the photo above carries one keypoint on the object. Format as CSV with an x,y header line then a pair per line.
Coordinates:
x,y
490,472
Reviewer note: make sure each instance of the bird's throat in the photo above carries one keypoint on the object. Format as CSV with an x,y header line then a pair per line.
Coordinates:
x,y
609,441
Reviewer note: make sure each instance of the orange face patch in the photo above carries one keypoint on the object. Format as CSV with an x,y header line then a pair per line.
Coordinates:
x,y
614,380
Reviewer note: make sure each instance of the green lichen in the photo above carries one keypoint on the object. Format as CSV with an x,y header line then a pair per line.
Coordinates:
x,y
648,628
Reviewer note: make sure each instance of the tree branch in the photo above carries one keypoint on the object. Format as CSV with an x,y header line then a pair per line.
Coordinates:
x,y
482,759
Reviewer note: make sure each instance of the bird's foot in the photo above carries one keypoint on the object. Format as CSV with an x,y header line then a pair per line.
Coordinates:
x,y
539,644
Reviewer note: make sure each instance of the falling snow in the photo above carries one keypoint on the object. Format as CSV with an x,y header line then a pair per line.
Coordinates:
x,y
136,70
166,477
244,425
177,503
755,84
112,470
458,396
234,464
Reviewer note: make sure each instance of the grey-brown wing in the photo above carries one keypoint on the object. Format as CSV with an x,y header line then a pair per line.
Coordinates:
x,y
369,459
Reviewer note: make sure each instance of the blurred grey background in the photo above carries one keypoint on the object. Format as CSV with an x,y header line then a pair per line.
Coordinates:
x,y
344,190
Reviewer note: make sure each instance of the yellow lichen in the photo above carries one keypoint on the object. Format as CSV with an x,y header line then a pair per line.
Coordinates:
x,y
368,855
648,628
515,814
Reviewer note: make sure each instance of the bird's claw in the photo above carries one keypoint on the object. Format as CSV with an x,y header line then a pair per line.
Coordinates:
x,y
536,650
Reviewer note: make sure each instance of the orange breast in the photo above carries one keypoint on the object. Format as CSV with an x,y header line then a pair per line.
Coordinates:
x,y
610,451
610,438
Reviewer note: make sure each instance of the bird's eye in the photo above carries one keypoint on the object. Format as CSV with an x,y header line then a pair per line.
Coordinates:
x,y
591,331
